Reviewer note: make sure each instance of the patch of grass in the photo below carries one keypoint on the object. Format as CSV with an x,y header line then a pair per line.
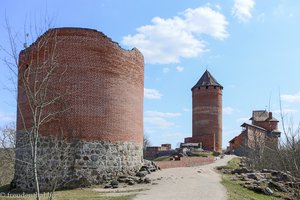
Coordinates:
x,y
234,188
76,194
233,163
162,158
4,188
201,154
237,192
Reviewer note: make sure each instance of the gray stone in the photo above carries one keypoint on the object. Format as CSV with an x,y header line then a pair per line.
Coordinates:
x,y
94,158
131,182
114,184
74,162
85,158
141,174
147,180
254,176
242,170
278,186
122,180
268,191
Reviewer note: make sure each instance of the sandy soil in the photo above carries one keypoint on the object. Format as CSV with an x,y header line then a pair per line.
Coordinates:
x,y
190,183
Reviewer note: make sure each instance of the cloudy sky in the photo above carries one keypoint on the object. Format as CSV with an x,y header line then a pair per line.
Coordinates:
x,y
251,47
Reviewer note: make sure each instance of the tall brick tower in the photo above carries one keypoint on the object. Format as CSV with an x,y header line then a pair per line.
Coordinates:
x,y
207,113
97,89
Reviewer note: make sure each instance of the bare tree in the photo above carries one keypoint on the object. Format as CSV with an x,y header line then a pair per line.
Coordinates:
x,y
7,153
289,147
282,156
146,143
39,103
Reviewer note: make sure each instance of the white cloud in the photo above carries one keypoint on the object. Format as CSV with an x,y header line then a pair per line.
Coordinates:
x,y
158,122
152,93
166,70
242,9
161,114
167,40
186,110
7,117
179,69
228,110
291,98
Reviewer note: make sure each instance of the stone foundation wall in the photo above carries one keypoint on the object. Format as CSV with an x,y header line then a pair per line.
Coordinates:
x,y
76,163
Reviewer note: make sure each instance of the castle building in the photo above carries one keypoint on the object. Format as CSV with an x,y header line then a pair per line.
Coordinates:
x,y
92,127
263,131
207,113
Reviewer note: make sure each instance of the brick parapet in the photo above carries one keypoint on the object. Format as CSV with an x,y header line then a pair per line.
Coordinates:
x,y
185,162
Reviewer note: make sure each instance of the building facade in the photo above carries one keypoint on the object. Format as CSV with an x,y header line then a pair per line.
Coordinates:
x,y
263,131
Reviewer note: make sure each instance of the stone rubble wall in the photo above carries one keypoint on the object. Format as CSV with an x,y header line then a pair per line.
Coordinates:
x,y
75,163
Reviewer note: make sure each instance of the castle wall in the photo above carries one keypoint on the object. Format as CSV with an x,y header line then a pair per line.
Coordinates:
x,y
104,86
207,117
102,89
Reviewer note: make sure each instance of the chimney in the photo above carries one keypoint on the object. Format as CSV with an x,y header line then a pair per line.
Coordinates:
x,y
270,115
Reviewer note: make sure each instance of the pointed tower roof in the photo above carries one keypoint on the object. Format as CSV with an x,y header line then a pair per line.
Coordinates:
x,y
207,80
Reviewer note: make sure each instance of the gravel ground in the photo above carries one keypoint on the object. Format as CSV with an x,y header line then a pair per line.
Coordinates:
x,y
193,183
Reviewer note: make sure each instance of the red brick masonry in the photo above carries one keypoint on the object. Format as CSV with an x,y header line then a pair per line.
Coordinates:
x,y
185,162
103,86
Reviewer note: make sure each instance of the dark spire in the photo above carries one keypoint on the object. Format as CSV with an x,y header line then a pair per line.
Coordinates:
x,y
207,80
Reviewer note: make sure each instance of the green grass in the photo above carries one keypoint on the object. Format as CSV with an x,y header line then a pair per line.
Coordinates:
x,y
162,158
76,194
233,163
201,154
234,189
4,188
237,192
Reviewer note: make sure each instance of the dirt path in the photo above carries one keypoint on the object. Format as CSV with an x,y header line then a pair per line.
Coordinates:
x,y
186,183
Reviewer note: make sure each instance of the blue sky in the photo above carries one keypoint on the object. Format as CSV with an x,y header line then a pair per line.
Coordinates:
x,y
251,47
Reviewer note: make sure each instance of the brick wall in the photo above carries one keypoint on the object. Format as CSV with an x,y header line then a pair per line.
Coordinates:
x,y
207,117
185,162
102,84
238,141
268,125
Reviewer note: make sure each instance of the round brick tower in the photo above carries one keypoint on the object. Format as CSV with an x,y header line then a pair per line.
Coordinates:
x,y
207,113
101,90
